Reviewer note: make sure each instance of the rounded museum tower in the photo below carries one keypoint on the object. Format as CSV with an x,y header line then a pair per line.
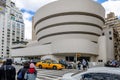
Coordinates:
x,y
71,26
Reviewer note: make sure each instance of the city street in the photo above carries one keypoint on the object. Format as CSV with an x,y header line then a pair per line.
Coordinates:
x,y
46,74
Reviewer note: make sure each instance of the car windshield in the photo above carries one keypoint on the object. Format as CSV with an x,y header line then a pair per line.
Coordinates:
x,y
100,76
54,62
51,61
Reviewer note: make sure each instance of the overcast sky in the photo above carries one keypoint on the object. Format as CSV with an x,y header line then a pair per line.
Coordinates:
x,y
29,7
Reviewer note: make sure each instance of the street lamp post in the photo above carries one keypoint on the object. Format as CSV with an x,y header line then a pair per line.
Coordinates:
x,y
77,55
76,60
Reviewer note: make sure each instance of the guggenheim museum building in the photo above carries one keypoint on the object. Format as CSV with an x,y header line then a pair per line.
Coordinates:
x,y
67,29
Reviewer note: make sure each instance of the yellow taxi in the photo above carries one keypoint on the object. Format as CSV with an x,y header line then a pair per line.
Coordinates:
x,y
49,64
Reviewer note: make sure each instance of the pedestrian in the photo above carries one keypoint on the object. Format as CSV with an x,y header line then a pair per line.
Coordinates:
x,y
84,63
79,65
22,71
87,64
7,71
31,73
74,65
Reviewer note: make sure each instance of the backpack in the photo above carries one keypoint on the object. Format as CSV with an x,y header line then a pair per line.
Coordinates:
x,y
30,76
19,76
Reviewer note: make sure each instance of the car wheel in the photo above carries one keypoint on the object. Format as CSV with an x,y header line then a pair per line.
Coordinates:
x,y
54,67
40,67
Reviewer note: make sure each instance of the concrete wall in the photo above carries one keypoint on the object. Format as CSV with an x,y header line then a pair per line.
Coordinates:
x,y
108,33
102,49
32,51
75,46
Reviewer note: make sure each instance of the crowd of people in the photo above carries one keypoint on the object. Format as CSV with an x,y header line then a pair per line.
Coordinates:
x,y
8,72
83,64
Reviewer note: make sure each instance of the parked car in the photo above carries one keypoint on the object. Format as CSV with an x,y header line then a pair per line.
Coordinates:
x,y
49,64
66,64
98,73
112,63
35,61
19,61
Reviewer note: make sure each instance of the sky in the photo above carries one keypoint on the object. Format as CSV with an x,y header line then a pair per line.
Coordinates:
x,y
29,7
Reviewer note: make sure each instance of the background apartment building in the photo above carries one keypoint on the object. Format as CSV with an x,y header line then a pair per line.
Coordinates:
x,y
11,27
112,32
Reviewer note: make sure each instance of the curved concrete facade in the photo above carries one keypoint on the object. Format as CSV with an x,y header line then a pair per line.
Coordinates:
x,y
74,46
65,23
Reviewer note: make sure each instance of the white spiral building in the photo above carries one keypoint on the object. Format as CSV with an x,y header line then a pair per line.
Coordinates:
x,y
70,27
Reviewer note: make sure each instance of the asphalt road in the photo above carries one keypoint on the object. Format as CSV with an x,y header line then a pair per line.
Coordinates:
x,y
46,74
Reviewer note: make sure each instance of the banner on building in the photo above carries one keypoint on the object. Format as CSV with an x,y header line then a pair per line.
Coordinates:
x,y
2,9
2,6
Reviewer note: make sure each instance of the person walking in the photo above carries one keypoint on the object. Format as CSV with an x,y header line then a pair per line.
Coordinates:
x,y
22,71
79,65
7,71
87,63
31,73
84,63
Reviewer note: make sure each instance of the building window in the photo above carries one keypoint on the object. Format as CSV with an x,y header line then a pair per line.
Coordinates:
x,y
110,38
13,33
100,60
13,39
8,53
12,18
109,32
8,35
22,39
103,34
69,58
8,29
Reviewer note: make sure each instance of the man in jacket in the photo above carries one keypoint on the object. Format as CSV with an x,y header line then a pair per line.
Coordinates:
x,y
7,71
23,71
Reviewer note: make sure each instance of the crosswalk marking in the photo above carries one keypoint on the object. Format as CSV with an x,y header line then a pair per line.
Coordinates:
x,y
44,74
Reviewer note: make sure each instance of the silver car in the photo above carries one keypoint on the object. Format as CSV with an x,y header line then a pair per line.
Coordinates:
x,y
98,73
